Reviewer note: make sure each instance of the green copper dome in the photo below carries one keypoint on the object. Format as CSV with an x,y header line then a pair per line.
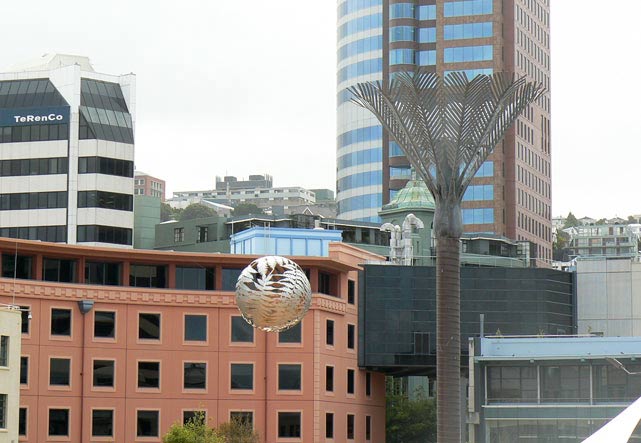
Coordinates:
x,y
414,195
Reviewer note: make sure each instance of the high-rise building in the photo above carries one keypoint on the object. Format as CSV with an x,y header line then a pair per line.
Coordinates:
x,y
511,195
66,153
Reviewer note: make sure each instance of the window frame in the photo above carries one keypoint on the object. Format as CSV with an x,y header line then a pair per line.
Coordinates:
x,y
242,390
94,387
59,436
300,425
60,387
148,388
282,391
147,340
191,342
113,422
158,418
196,390
115,332
62,337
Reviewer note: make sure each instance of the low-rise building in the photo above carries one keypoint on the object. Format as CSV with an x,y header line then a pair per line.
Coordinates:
x,y
124,343
602,240
145,184
549,389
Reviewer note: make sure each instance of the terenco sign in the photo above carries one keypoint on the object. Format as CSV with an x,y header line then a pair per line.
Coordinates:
x,y
39,118
34,116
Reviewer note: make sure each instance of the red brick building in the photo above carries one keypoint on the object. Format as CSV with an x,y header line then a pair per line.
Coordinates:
x,y
145,184
123,343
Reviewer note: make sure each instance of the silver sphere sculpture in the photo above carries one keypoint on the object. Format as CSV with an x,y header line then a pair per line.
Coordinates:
x,y
273,293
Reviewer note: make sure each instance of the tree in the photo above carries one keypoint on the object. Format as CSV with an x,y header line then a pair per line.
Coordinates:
x,y
447,127
410,420
168,213
247,209
632,219
570,221
196,210
238,431
559,248
194,431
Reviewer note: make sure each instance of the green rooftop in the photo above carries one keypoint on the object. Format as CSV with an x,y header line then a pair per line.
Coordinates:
x,y
414,195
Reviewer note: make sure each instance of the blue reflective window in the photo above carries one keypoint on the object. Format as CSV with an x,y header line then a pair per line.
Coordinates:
x,y
427,35
368,178
366,201
427,12
349,6
360,135
468,54
360,24
471,73
467,30
392,194
401,10
477,216
373,219
401,57
401,34
360,47
467,7
400,172
361,68
343,96
479,192
486,169
426,58
364,157
395,150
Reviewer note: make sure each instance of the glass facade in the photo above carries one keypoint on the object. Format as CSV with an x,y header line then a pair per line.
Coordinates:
x,y
478,216
467,30
402,34
479,192
34,93
467,54
360,24
360,179
401,57
365,67
467,7
103,112
350,6
34,133
360,47
426,58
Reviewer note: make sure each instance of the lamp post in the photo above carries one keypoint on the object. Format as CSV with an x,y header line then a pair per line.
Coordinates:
x,y
447,127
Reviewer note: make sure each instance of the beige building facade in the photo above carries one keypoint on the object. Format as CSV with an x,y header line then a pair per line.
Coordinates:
x,y
10,327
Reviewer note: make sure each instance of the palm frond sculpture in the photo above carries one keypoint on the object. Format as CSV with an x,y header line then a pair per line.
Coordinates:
x,y
447,127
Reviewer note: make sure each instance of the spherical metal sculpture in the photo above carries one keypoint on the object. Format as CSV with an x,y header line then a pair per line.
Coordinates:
x,y
273,293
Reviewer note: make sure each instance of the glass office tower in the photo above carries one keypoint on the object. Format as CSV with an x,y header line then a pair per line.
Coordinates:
x,y
511,195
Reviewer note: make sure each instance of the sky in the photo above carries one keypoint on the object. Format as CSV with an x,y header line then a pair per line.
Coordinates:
x,y
239,88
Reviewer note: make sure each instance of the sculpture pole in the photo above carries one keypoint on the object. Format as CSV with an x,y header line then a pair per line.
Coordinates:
x,y
447,127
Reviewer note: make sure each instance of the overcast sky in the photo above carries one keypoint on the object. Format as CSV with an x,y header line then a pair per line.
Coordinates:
x,y
231,87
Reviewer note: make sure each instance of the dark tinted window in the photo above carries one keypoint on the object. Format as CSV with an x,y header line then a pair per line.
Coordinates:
x,y
351,291
368,383
106,200
33,200
242,376
329,337
103,112
104,324
104,234
58,422
149,326
199,279
22,421
105,165
230,277
195,327
147,276
42,233
241,331
11,270
25,312
289,424
350,426
24,370
33,133
329,378
190,416
59,371
97,273
292,335
329,425
350,336
289,377
102,423
148,374
103,373
33,166
57,270
147,424
368,427
350,381
195,375
61,322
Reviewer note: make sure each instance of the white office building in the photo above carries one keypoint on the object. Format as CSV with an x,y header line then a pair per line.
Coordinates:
x,y
67,153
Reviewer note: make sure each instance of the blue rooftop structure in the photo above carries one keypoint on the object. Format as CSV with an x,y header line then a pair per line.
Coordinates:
x,y
284,241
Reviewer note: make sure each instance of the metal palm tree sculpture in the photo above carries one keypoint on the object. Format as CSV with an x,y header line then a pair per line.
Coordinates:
x,y
447,127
